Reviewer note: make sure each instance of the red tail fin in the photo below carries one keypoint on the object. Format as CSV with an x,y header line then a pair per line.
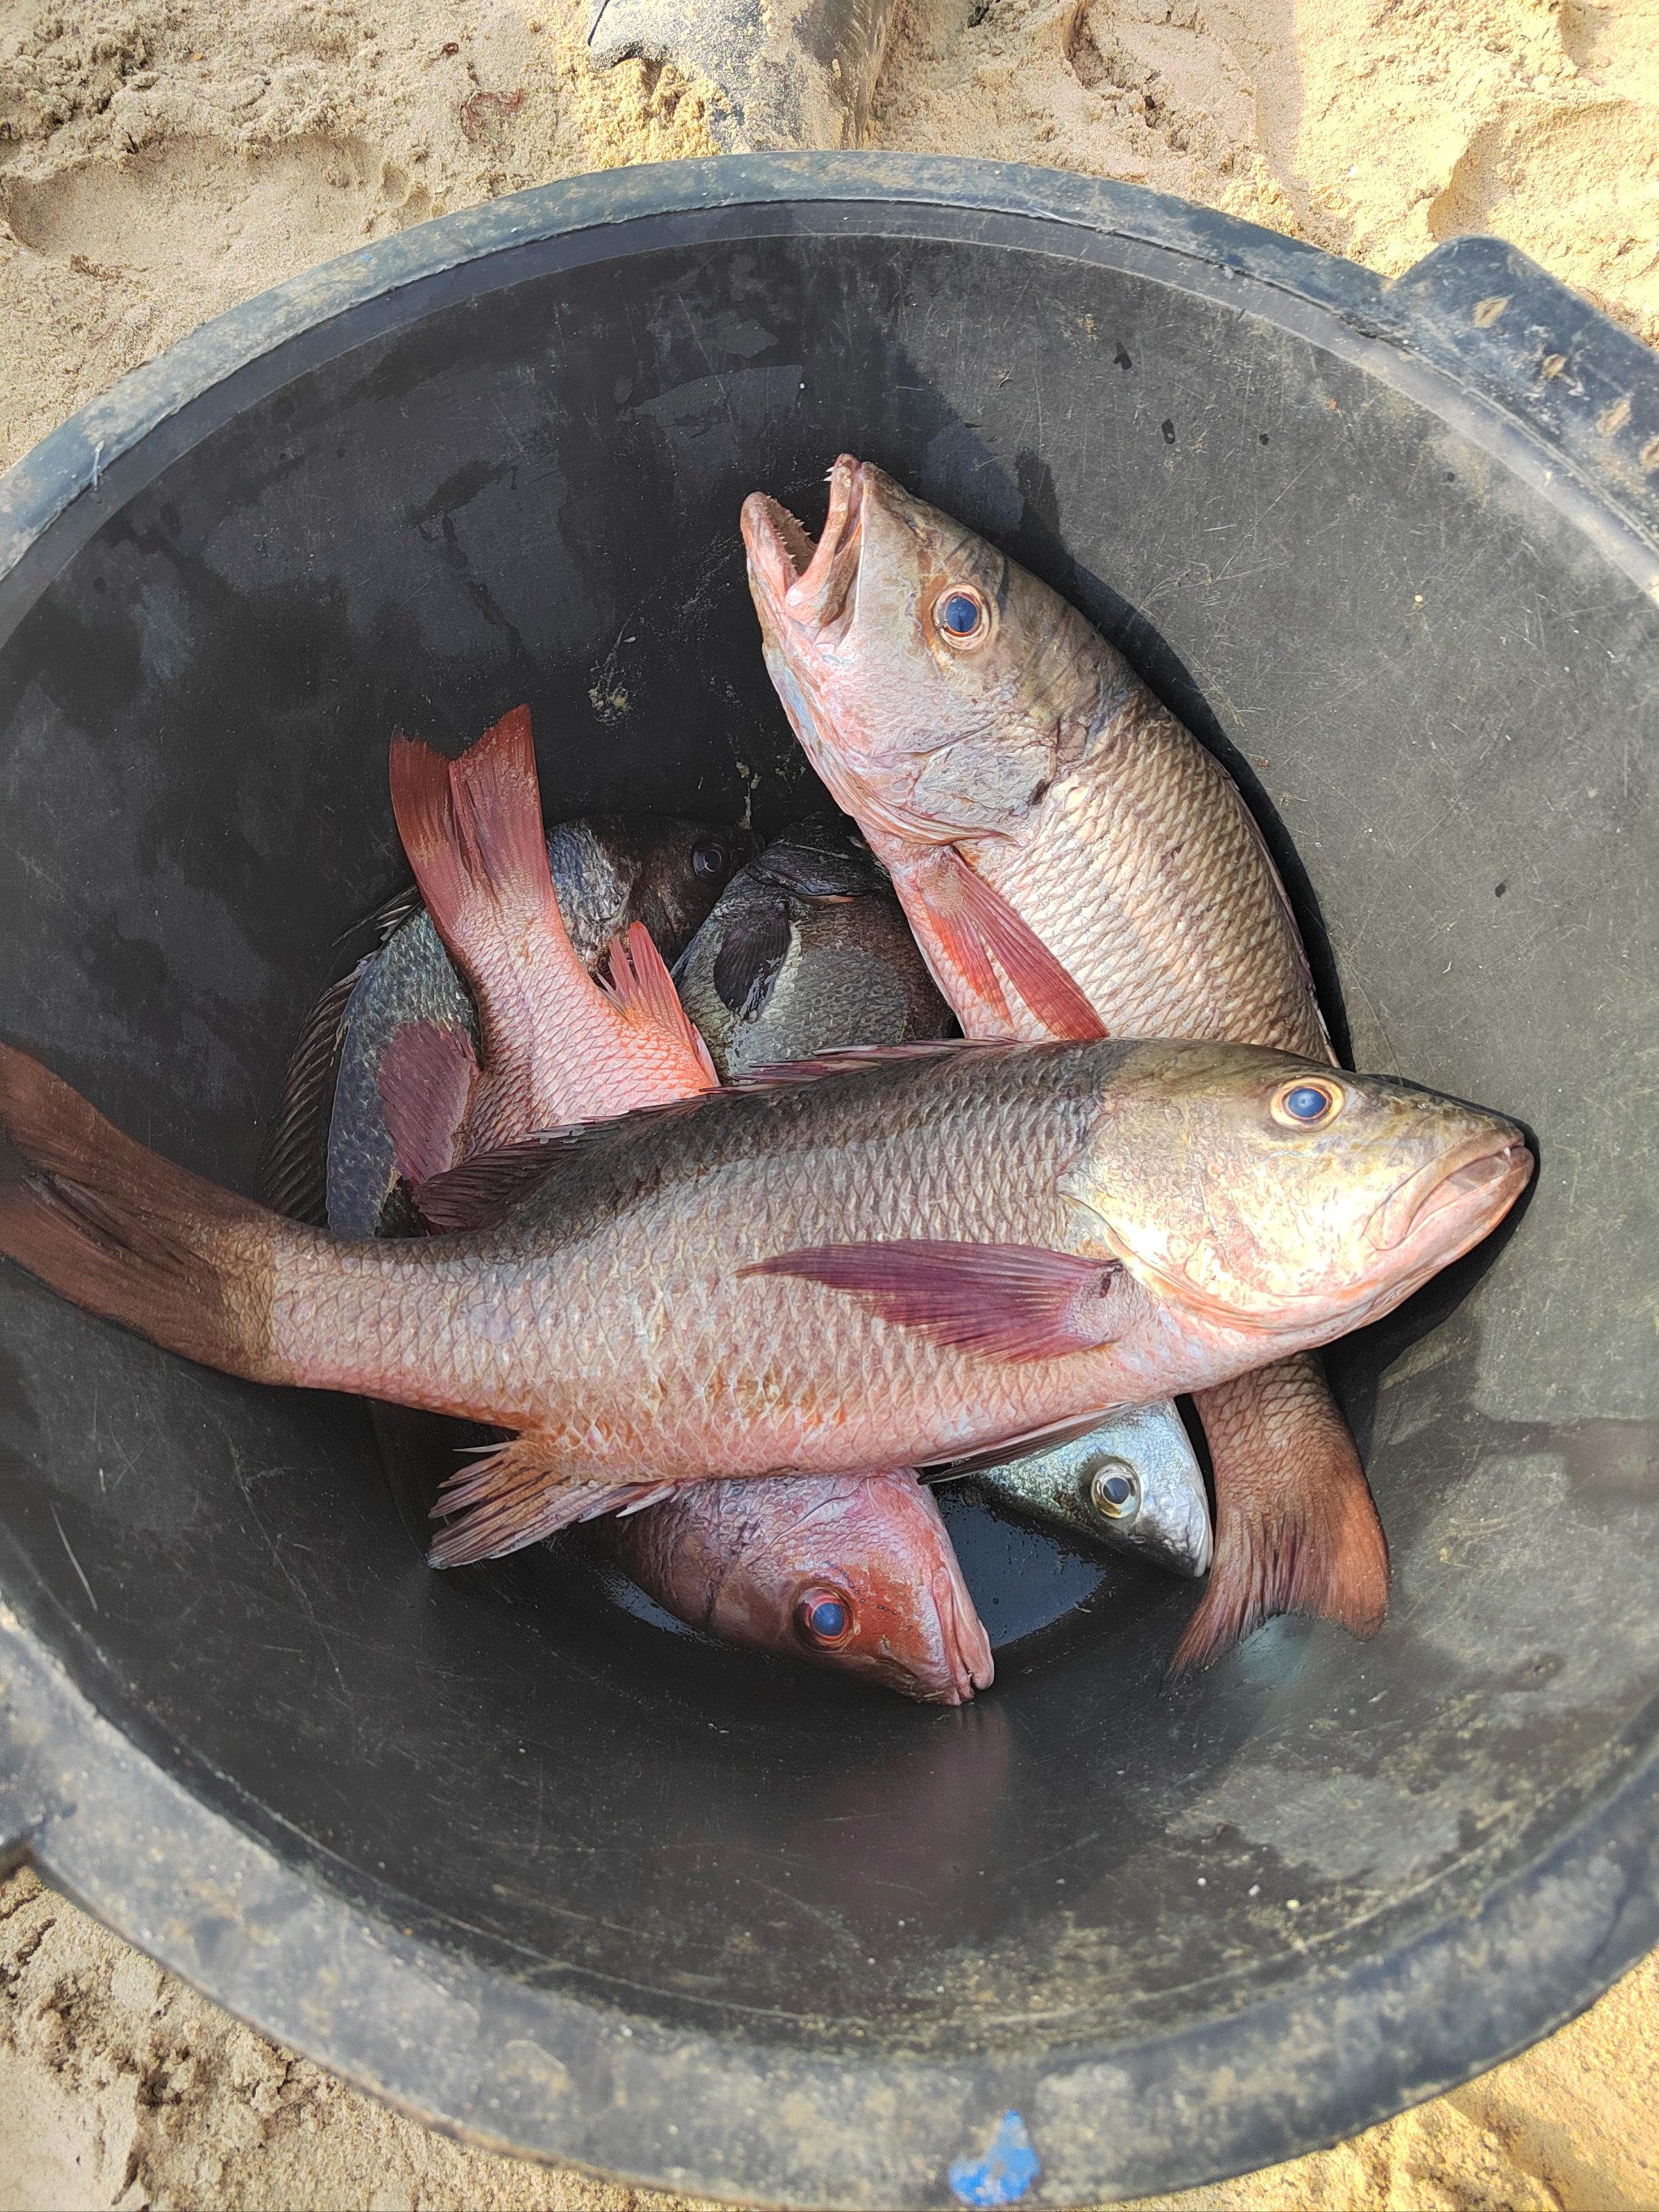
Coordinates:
x,y
118,1230
472,829
1296,1529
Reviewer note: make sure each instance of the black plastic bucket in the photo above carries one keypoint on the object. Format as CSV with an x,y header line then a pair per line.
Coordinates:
x,y
484,1843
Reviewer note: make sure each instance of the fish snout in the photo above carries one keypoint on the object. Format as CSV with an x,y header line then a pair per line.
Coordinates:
x,y
1459,1196
966,1647
811,586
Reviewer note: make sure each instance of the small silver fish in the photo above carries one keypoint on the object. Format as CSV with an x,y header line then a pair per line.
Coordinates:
x,y
1133,1482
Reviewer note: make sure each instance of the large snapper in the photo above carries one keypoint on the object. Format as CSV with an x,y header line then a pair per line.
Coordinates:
x,y
898,1260
1073,862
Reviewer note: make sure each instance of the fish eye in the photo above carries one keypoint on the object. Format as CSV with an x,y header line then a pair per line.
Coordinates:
x,y
1115,1490
960,615
708,857
824,1617
1307,1105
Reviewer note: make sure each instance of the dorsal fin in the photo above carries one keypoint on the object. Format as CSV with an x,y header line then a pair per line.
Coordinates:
x,y
482,1191
638,980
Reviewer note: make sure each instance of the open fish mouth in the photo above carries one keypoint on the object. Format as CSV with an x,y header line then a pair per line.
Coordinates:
x,y
812,584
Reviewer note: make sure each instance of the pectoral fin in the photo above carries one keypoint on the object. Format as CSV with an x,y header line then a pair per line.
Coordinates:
x,y
999,1301
977,925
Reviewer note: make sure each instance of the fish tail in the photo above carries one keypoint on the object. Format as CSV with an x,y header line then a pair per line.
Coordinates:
x,y
472,829
116,1229
1296,1529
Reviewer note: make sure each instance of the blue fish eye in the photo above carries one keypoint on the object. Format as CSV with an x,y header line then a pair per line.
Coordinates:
x,y
1308,1103
824,1617
960,616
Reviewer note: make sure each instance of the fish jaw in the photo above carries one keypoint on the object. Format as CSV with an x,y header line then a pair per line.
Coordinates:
x,y
1438,1212
794,580
806,596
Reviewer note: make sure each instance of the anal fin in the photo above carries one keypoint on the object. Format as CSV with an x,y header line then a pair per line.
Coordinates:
x,y
518,1493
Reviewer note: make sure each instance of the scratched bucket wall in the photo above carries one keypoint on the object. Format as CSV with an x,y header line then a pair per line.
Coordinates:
x,y
469,1838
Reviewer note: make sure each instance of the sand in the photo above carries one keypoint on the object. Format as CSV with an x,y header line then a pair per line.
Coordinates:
x,y
162,160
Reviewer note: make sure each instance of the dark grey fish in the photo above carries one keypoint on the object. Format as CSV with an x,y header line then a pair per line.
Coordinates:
x,y
329,1160
807,950
1133,1482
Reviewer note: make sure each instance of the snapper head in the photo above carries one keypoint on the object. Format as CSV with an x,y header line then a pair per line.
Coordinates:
x,y
861,1577
938,688
1276,1195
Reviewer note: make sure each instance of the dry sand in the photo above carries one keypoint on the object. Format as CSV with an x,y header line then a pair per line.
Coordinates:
x,y
162,160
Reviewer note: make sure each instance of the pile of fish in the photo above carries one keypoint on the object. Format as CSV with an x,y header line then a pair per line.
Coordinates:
x,y
723,1259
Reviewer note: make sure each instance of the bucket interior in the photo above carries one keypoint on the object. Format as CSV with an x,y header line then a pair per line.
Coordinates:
x,y
1438,693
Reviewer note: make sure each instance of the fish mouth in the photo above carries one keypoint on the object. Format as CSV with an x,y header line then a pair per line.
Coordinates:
x,y
1452,1204
811,584
966,1646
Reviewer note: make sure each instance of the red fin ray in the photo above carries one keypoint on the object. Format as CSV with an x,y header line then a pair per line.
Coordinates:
x,y
977,925
638,980
497,802
120,1231
473,831
518,1493
1296,1528
999,1301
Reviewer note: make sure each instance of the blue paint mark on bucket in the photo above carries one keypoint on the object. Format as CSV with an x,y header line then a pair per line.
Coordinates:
x,y
1004,2173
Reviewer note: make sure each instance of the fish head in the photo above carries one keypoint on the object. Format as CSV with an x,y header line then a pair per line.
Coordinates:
x,y
611,870
938,688
807,950
857,1573
1280,1196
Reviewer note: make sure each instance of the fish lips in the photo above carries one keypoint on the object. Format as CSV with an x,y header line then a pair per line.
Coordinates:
x,y
958,1665
809,586
1427,1221
1451,1204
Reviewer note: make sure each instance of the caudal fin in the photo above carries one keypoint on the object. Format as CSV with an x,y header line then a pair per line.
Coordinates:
x,y
118,1230
1296,1529
472,829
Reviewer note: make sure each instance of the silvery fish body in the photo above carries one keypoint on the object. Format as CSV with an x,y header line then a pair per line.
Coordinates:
x,y
1134,1483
